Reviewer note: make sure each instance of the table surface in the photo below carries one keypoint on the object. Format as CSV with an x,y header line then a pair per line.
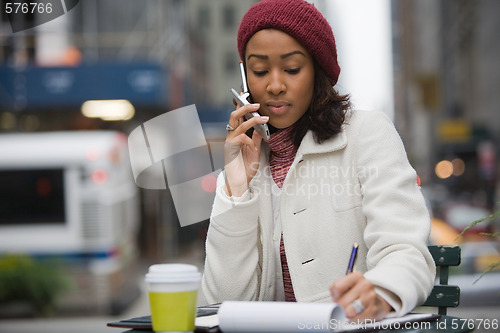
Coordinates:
x,y
445,324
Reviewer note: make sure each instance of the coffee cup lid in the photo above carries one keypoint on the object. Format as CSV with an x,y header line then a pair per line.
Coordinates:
x,y
172,273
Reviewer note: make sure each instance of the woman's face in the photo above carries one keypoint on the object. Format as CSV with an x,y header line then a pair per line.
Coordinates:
x,y
280,74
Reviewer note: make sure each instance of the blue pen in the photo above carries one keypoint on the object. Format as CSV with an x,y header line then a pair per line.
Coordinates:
x,y
354,253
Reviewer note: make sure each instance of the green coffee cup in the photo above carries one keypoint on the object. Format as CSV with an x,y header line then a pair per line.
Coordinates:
x,y
172,290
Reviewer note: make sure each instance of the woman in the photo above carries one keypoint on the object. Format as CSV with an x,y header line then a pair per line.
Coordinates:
x,y
288,211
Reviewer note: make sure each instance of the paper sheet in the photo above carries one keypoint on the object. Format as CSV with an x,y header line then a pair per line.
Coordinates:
x,y
280,317
290,317
207,321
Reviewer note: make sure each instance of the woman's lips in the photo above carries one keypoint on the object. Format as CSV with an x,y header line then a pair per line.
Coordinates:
x,y
278,108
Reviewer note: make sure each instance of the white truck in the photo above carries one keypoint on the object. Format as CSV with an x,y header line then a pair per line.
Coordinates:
x,y
71,196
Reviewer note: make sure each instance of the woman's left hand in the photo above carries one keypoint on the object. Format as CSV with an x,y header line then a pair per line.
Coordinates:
x,y
358,298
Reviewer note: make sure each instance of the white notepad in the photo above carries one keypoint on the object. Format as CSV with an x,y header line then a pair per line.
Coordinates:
x,y
292,317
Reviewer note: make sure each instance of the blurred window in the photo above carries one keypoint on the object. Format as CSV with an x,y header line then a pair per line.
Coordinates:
x,y
229,17
34,196
231,64
203,17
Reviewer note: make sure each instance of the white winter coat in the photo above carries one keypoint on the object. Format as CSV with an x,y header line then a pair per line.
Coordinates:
x,y
356,187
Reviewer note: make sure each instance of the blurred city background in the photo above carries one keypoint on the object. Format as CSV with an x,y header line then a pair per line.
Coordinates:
x,y
76,229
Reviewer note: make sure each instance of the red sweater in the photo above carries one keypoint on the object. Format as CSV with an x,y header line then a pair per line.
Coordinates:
x,y
282,155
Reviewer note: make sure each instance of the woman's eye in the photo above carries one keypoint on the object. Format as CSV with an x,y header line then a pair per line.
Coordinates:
x,y
259,73
292,70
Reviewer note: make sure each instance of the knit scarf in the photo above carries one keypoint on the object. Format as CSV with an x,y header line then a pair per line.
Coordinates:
x,y
282,155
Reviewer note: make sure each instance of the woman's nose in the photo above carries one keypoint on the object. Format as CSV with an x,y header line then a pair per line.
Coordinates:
x,y
276,85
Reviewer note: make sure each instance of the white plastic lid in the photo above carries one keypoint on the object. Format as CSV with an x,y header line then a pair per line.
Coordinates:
x,y
172,273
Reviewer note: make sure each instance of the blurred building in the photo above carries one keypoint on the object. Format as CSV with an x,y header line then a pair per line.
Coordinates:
x,y
138,50
216,22
158,54
447,73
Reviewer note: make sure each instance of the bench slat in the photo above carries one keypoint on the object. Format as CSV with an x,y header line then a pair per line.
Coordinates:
x,y
447,296
445,255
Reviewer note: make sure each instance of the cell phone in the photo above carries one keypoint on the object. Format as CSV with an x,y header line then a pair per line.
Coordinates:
x,y
262,129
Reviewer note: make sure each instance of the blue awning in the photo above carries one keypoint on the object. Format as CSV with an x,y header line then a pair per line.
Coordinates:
x,y
143,84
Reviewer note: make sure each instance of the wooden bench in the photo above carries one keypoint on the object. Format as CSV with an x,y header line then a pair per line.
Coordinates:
x,y
443,295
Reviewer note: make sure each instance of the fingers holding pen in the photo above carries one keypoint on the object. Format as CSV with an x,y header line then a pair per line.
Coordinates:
x,y
358,297
348,290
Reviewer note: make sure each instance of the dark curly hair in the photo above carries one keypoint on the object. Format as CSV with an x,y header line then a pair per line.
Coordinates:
x,y
327,111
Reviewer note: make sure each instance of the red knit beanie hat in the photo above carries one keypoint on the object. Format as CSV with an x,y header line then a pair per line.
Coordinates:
x,y
299,19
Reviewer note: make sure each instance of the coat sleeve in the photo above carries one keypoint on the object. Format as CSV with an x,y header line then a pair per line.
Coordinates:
x,y
398,224
232,269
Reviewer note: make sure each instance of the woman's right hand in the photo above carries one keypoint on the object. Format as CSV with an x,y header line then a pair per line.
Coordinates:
x,y
242,153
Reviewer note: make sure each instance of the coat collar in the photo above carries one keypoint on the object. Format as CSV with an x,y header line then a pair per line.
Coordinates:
x,y
309,146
